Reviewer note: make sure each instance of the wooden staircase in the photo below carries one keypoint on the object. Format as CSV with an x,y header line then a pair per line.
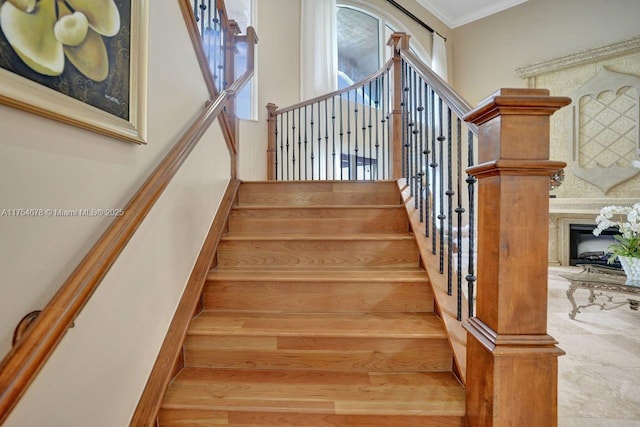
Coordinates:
x,y
317,314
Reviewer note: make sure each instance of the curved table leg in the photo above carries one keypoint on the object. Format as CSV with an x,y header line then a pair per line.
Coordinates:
x,y
570,291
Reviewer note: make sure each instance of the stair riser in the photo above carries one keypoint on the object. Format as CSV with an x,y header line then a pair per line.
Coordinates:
x,y
318,221
291,254
359,354
195,418
318,297
320,193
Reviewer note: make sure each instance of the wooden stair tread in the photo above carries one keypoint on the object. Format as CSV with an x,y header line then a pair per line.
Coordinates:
x,y
236,236
328,392
365,276
315,207
388,325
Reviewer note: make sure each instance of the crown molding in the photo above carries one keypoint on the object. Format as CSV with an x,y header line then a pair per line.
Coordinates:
x,y
582,57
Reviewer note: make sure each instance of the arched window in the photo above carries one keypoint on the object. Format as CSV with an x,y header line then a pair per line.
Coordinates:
x,y
363,31
361,44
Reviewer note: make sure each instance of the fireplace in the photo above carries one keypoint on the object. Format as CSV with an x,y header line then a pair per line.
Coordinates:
x,y
585,248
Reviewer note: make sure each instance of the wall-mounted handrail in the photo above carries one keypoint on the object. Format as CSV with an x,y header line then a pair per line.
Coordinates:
x,y
39,340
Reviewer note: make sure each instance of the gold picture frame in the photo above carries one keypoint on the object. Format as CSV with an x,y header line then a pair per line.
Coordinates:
x,y
23,92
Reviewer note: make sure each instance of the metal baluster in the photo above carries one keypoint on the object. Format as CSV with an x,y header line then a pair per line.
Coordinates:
x,y
433,165
293,146
449,193
326,140
355,126
341,139
404,118
419,155
376,120
426,152
384,127
349,134
278,118
300,157
319,140
441,215
333,138
222,56
370,130
364,133
471,181
312,157
459,211
414,137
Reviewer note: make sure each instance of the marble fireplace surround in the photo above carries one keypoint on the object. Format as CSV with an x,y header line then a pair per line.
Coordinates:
x,y
567,211
577,201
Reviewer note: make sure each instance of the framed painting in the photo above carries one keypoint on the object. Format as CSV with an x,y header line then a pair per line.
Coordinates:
x,y
82,62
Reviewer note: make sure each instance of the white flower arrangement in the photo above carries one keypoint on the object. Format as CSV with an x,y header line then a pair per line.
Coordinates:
x,y
627,220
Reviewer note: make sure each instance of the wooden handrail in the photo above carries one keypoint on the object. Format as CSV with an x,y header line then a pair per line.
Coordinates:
x,y
354,86
457,103
21,365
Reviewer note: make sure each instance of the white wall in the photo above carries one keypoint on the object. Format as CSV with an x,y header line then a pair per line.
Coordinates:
x,y
278,75
97,373
487,52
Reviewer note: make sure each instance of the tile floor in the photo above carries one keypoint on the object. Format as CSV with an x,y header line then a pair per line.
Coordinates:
x,y
599,377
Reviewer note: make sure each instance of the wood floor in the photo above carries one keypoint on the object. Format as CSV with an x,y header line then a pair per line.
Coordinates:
x,y
317,314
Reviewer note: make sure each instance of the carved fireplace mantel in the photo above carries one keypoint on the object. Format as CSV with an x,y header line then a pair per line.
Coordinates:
x,y
595,141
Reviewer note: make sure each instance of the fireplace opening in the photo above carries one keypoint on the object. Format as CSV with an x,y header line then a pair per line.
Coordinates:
x,y
585,248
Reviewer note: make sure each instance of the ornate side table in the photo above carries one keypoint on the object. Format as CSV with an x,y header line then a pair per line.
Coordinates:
x,y
601,281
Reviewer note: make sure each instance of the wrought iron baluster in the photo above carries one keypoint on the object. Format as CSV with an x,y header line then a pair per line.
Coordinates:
x,y
370,131
341,138
419,151
377,122
403,106
459,211
355,126
222,54
471,181
292,131
333,139
326,140
276,120
441,215
300,157
434,166
349,135
426,152
319,152
449,193
312,157
385,131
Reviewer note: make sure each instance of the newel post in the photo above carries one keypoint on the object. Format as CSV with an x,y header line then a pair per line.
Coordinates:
x,y
397,42
271,141
511,360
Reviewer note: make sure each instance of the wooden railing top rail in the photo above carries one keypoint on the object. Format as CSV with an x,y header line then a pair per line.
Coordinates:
x,y
450,97
354,86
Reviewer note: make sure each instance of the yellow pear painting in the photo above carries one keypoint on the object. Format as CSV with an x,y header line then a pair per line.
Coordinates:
x,y
77,47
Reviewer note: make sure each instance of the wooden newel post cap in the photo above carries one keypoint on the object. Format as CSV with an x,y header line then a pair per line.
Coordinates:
x,y
514,124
